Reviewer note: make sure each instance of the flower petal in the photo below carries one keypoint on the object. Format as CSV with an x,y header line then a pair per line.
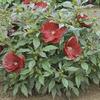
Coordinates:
x,y
12,62
49,27
47,37
41,4
59,34
26,1
83,17
72,48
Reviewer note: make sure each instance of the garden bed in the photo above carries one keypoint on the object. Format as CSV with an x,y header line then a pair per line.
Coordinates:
x,y
92,94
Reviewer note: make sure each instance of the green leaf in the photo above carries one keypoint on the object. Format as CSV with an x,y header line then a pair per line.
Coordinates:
x,y
49,48
85,66
38,86
46,66
23,50
93,60
2,37
65,82
78,80
70,84
96,80
46,74
67,4
31,64
24,90
54,92
36,42
41,79
84,1
21,43
15,90
76,91
51,85
98,74
72,69
25,71
6,87
98,33
42,54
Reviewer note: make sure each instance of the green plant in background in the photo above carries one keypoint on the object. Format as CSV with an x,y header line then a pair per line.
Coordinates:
x,y
5,22
97,2
9,1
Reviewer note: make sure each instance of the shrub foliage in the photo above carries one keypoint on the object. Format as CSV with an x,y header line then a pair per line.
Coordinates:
x,y
48,48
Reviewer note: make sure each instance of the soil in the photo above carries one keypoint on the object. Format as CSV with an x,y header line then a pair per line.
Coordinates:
x,y
93,93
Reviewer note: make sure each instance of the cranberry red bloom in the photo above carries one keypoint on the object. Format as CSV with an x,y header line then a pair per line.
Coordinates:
x,y
12,62
72,48
84,20
26,1
41,4
51,33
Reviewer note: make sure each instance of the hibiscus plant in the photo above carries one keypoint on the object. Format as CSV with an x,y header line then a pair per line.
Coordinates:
x,y
48,48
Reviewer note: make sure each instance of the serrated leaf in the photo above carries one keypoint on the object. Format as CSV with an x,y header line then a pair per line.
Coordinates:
x,y
51,85
93,60
19,44
41,79
24,90
76,91
96,80
15,90
46,74
36,42
25,71
84,1
31,64
46,66
65,82
54,92
70,84
72,69
67,4
23,50
5,88
78,81
42,54
85,66
49,48
38,86
98,33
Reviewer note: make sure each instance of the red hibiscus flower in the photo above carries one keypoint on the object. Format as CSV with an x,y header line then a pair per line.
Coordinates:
x,y
41,4
51,33
12,62
72,48
84,20
1,48
26,1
